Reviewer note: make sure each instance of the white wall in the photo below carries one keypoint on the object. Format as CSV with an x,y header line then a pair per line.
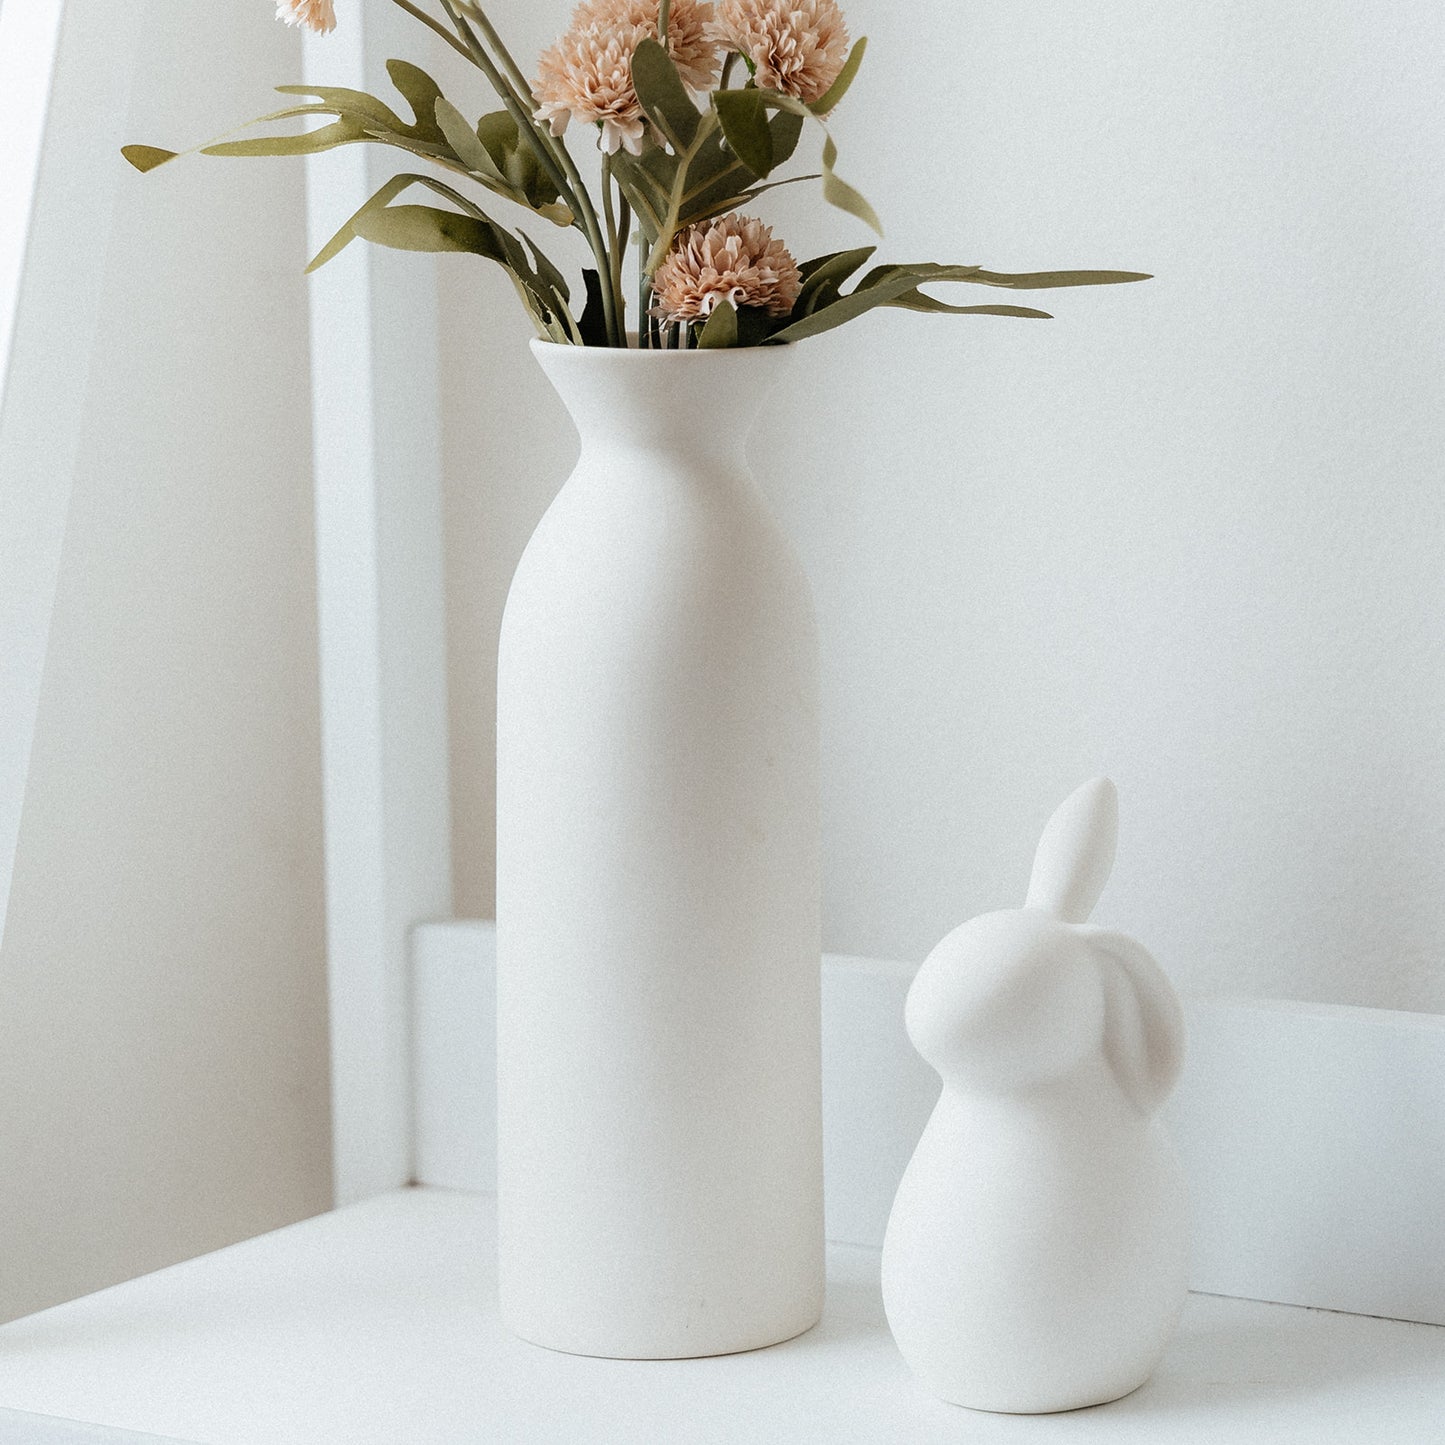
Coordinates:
x,y
163,1053
1189,533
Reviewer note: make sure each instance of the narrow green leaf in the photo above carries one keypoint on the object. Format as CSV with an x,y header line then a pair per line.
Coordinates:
x,y
663,95
421,93
349,102
721,330
515,157
918,301
546,271
1045,280
776,100
823,278
383,198
460,136
147,158
744,119
839,193
347,234
889,286
345,131
425,228
828,101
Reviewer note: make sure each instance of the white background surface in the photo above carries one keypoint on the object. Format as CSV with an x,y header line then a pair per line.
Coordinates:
x,y
1188,534
163,1077
378,1324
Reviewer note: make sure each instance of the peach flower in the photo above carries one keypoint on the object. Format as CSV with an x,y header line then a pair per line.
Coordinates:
x,y
733,258
798,47
317,15
587,74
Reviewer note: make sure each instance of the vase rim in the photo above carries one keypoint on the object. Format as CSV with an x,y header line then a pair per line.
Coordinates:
x,y
543,346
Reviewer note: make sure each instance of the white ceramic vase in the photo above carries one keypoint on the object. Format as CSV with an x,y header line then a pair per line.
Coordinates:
x,y
1035,1258
659,1138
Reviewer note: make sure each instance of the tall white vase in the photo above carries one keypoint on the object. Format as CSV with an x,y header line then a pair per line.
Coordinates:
x,y
660,1169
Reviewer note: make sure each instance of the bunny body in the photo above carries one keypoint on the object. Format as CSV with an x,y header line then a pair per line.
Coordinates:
x,y
1035,1258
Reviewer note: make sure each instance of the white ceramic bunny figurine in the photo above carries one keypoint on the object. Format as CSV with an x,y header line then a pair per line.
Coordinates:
x,y
1036,1253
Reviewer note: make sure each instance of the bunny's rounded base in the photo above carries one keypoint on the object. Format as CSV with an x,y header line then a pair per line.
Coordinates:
x,y
1012,1404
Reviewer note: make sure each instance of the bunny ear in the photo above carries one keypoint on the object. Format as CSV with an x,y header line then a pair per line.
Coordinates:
x,y
1143,1023
1076,853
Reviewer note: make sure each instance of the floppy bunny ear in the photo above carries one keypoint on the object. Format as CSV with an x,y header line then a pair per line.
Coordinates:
x,y
1143,1023
1076,853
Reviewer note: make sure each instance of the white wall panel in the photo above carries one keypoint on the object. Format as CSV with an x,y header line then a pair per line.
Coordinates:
x,y
163,1042
1187,534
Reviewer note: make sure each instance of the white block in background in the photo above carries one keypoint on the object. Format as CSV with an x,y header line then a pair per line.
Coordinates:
x,y
1313,1136
454,1055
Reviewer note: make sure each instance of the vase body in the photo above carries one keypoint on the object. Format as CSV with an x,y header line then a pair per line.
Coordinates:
x,y
659,1131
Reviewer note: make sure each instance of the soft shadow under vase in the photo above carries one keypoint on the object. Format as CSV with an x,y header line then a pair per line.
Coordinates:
x,y
660,1151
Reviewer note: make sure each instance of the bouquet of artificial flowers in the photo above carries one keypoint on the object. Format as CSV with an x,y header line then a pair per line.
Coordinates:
x,y
695,106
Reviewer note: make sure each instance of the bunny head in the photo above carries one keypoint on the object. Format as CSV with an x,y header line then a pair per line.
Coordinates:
x,y
1021,997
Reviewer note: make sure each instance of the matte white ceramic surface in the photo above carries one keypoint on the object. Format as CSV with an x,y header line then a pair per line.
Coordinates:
x,y
659,1131
1036,1254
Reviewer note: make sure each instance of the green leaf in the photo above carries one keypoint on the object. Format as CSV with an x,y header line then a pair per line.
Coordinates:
x,y
498,132
721,330
426,228
917,301
348,233
826,102
663,95
889,286
787,129
755,325
744,118
839,193
823,278
1047,280
469,149
147,158
546,272
346,131
349,102
421,93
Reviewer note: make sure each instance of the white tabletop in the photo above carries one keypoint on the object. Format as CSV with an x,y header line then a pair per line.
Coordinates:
x,y
378,1324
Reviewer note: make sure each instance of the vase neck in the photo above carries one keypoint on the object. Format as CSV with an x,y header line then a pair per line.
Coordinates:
x,y
700,403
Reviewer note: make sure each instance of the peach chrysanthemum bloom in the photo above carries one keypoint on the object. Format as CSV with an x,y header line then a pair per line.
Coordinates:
x,y
587,74
317,15
798,47
734,258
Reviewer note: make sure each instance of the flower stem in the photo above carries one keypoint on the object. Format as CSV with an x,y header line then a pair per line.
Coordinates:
x,y
662,16
436,25
646,326
616,245
489,33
